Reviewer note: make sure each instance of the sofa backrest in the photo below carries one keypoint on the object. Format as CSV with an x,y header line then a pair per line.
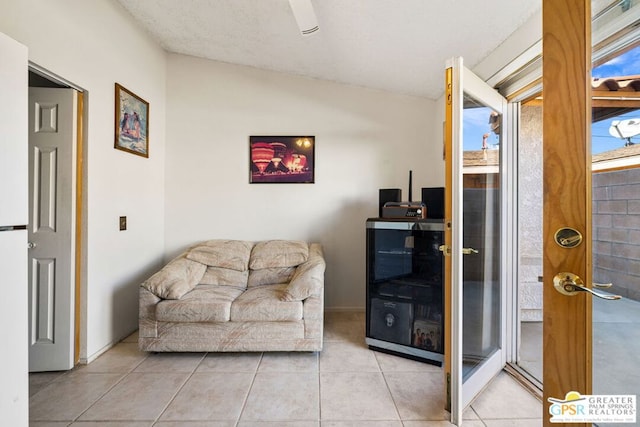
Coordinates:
x,y
227,261
236,263
247,264
275,261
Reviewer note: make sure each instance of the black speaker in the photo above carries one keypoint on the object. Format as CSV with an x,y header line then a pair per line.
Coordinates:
x,y
433,198
388,195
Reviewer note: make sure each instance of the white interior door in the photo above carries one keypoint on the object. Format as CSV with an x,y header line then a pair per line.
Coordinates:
x,y
477,238
52,189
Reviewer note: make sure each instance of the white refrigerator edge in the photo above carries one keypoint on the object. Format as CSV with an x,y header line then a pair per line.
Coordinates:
x,y
14,357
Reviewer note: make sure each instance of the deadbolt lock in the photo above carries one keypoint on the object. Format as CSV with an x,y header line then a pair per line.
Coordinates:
x,y
567,237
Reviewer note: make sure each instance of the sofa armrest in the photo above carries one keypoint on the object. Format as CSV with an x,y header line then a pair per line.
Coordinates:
x,y
308,279
313,312
176,278
148,326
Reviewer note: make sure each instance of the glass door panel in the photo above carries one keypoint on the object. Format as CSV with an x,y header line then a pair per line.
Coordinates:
x,y
481,293
475,278
616,225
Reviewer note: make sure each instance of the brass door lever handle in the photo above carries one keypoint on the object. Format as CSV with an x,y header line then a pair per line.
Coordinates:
x,y
445,249
570,284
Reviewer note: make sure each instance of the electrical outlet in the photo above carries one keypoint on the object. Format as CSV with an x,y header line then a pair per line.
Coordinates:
x,y
123,223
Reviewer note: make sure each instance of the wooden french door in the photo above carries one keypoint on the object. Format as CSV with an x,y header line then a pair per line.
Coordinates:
x,y
567,346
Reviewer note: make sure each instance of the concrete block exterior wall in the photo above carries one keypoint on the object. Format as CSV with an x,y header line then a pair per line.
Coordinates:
x,y
616,231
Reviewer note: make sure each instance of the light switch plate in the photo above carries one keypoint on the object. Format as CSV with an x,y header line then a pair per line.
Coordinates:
x,y
123,223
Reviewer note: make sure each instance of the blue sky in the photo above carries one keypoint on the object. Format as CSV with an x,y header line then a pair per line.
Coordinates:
x,y
627,64
476,124
476,120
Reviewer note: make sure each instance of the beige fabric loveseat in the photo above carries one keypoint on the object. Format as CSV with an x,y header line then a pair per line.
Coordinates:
x,y
232,295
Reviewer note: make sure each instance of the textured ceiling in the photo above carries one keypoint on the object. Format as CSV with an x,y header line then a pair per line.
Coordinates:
x,y
394,45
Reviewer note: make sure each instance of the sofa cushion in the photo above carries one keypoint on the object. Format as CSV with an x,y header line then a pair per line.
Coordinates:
x,y
225,277
278,253
263,304
308,279
270,276
175,279
205,303
231,254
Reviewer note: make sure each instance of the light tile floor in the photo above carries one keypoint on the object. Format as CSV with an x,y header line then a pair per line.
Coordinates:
x,y
346,385
616,345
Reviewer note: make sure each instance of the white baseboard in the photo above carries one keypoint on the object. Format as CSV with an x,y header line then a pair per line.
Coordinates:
x,y
94,356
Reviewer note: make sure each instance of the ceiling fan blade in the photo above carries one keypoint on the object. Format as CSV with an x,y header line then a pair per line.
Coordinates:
x,y
305,16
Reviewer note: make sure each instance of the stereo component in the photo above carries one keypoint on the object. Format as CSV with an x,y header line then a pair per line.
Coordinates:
x,y
404,210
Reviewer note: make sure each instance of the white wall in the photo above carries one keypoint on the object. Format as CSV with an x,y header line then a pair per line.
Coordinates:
x,y
94,44
365,140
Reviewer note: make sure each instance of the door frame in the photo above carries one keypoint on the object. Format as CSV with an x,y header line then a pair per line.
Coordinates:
x,y
518,81
79,205
567,342
521,80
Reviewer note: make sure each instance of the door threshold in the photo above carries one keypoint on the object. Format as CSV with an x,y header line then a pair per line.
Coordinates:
x,y
525,379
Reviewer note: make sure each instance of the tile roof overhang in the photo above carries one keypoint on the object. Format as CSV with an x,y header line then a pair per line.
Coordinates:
x,y
613,96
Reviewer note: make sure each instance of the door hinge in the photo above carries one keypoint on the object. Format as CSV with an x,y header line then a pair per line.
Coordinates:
x,y
449,85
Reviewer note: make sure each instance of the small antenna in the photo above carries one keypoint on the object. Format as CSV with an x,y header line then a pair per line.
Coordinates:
x,y
410,189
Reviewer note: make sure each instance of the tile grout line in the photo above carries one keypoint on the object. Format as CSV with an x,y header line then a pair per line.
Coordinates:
x,y
49,383
157,419
384,378
477,415
125,375
246,398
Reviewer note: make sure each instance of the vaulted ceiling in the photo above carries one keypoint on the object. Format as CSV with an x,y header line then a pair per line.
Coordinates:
x,y
393,45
